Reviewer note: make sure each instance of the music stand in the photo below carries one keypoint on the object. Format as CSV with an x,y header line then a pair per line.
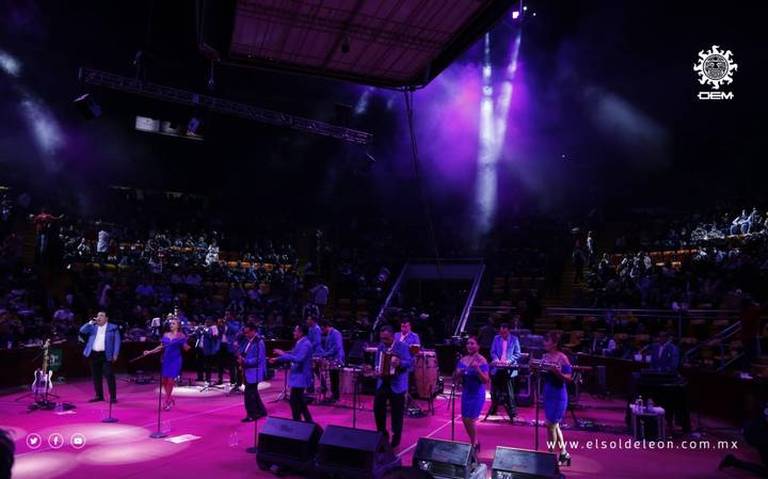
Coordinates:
x,y
283,396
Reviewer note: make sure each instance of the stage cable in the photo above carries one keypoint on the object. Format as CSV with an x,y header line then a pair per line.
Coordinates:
x,y
417,170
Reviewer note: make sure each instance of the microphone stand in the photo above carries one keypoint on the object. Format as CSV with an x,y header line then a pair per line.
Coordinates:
x,y
109,418
537,381
159,434
453,411
255,448
354,401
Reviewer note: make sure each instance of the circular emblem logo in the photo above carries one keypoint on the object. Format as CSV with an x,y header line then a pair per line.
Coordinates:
x,y
715,67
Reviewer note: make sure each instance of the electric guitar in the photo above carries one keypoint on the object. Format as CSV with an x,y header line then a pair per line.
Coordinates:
x,y
42,383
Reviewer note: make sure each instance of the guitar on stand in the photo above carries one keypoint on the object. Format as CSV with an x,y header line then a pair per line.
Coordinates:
x,y
42,383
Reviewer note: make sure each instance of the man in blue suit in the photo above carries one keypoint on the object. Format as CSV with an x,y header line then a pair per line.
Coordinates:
x,y
505,351
406,334
314,334
253,362
102,347
229,330
409,338
391,388
207,346
332,349
664,355
300,376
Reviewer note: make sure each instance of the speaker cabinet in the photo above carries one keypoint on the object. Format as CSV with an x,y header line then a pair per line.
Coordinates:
x,y
287,444
511,463
345,452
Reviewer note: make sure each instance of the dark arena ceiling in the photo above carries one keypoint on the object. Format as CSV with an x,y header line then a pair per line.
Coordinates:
x,y
388,43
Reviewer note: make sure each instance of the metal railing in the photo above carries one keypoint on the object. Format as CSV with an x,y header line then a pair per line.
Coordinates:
x,y
395,287
720,338
469,304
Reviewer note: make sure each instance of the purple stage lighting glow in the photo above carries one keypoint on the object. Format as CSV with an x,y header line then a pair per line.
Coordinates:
x,y
45,128
505,96
9,64
362,103
446,119
493,131
487,175
38,116
43,464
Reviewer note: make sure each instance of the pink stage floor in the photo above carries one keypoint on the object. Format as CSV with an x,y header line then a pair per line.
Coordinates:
x,y
124,449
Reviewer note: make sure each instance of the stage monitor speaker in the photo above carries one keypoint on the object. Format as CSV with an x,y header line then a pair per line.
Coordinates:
x,y
446,459
354,453
511,463
288,444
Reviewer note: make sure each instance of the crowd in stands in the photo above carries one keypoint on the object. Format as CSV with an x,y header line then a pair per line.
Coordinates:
x,y
656,230
142,272
140,275
703,275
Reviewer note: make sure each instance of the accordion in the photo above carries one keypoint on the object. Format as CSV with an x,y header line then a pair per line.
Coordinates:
x,y
384,365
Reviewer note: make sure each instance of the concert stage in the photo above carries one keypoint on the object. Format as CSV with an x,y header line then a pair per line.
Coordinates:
x,y
217,439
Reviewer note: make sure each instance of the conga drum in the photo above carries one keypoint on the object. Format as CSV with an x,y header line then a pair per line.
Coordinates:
x,y
426,374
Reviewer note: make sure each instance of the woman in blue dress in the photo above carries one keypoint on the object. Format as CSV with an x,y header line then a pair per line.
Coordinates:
x,y
555,374
172,344
472,373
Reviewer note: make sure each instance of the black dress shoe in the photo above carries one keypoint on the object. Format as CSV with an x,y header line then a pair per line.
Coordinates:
x,y
113,400
95,399
247,419
395,441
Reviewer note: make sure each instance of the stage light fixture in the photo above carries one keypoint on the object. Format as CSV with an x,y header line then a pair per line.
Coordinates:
x,y
87,106
193,126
